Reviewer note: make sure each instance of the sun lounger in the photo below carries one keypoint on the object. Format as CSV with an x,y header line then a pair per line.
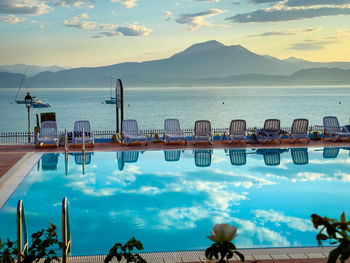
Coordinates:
x,y
333,129
202,131
131,132
271,131
236,131
77,135
299,156
202,158
48,134
172,131
299,130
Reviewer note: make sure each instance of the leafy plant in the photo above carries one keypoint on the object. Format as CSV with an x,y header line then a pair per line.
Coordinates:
x,y
222,235
125,251
337,233
42,243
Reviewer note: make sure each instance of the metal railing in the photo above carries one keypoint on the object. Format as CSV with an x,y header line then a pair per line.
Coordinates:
x,y
66,237
22,137
22,234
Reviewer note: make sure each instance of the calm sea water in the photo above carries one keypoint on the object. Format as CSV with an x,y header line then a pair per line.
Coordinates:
x,y
171,200
150,106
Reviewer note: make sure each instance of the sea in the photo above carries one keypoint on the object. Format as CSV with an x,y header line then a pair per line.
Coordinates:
x,y
151,106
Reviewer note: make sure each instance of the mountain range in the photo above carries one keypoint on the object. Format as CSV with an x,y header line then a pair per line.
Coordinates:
x,y
208,63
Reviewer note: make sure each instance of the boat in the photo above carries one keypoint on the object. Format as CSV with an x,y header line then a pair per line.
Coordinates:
x,y
22,101
40,105
112,100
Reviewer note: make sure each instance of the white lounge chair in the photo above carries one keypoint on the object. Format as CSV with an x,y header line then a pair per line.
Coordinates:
x,y
299,130
333,129
172,131
271,131
131,132
77,135
202,131
236,131
48,134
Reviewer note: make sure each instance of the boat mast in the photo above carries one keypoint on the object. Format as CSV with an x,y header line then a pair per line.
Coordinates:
x,y
26,79
111,85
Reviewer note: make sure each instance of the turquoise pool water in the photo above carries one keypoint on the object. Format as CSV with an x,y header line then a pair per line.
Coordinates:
x,y
170,200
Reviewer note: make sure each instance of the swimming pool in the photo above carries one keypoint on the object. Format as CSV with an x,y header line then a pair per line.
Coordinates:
x,y
170,200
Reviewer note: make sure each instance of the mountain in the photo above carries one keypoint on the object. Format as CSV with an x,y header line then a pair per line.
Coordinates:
x,y
10,80
32,69
200,64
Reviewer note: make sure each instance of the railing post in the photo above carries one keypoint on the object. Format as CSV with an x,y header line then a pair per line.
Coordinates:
x,y
66,238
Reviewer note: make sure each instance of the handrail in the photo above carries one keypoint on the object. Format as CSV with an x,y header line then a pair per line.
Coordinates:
x,y
66,237
21,231
83,144
66,145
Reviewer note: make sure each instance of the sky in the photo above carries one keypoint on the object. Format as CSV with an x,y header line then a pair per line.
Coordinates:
x,y
89,33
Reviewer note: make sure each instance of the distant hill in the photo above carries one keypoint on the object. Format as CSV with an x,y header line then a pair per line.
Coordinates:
x,y
10,80
32,69
202,64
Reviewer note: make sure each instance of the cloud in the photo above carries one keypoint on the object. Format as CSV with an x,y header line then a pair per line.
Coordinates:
x,y
310,45
12,19
81,24
196,20
24,7
167,15
127,3
278,218
263,1
282,13
210,1
74,3
288,32
127,30
316,2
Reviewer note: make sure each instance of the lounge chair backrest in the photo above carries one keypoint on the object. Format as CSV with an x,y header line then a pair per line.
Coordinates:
x,y
272,125
202,127
80,125
299,156
237,126
300,126
48,129
202,158
331,124
130,127
172,125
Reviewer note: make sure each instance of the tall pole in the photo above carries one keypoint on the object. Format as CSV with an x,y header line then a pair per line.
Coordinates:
x,y
116,106
28,124
121,103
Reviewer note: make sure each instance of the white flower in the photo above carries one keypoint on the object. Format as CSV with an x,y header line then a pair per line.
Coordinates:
x,y
222,233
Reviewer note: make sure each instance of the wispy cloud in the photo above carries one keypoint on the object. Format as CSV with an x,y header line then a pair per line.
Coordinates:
x,y
11,19
127,30
309,45
316,2
209,1
167,14
283,12
287,32
24,7
74,3
197,20
127,3
77,22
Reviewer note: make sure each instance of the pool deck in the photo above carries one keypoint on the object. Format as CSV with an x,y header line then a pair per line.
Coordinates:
x,y
12,157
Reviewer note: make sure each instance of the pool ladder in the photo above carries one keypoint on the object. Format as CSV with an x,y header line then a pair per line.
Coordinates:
x,y
23,234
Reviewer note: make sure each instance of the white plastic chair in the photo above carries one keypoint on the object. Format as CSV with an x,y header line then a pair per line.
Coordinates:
x,y
299,130
131,132
236,131
48,134
202,131
271,131
172,131
333,129
77,135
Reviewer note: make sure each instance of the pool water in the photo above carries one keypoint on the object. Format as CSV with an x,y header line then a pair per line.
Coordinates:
x,y
170,200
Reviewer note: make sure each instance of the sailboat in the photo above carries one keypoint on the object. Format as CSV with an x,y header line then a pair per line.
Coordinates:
x,y
112,100
36,102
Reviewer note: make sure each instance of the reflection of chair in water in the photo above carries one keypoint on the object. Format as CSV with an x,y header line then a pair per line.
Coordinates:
x,y
330,152
272,157
238,156
79,158
299,156
49,161
202,158
126,157
172,155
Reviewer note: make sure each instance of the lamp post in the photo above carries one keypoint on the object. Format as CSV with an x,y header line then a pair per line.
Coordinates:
x,y
28,101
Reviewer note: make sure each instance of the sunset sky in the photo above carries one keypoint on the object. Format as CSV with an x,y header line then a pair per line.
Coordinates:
x,y
74,33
